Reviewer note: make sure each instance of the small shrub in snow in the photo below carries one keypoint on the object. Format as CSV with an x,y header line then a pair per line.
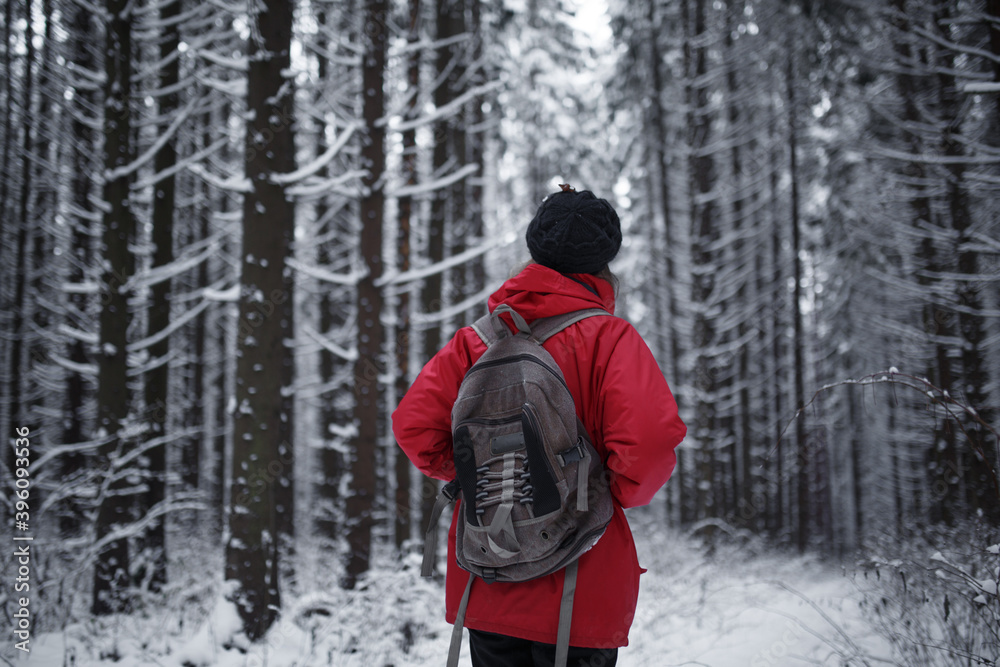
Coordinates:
x,y
936,606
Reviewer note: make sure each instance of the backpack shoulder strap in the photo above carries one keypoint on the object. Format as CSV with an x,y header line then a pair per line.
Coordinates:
x,y
490,328
485,330
545,328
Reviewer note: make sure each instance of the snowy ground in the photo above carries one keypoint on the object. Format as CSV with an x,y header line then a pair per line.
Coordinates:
x,y
731,609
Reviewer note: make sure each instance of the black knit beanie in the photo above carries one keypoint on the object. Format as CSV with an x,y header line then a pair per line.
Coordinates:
x,y
574,232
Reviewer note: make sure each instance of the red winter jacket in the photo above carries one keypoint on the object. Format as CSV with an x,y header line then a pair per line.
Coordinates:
x,y
631,415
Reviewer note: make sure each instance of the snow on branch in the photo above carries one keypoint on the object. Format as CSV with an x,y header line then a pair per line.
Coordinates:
x,y
98,10
425,43
327,276
56,451
981,87
455,309
86,287
234,88
231,295
140,526
953,408
923,158
235,183
396,278
443,182
317,164
328,345
328,186
445,111
87,370
989,56
332,57
178,266
166,331
161,141
153,363
85,337
157,23
238,64
181,164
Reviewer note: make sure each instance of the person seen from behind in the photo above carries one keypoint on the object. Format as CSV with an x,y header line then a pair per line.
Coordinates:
x,y
622,399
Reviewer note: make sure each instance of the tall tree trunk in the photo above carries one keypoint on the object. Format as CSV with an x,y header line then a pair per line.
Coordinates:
x,y
8,113
83,165
49,146
111,573
661,173
158,315
937,321
191,459
971,330
777,516
367,369
457,128
261,511
404,519
703,234
18,360
224,340
803,455
7,417
742,435
330,459
476,134
993,25
432,298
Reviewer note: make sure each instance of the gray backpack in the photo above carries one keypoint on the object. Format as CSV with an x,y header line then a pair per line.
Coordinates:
x,y
535,496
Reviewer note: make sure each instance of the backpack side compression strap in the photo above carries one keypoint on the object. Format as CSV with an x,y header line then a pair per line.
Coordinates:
x,y
456,632
562,634
565,614
446,497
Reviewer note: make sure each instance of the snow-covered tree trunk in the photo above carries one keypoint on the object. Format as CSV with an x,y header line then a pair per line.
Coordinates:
x,y
331,464
703,234
158,314
432,295
370,362
6,215
19,361
740,135
80,221
403,469
667,314
111,574
961,219
803,455
477,132
261,507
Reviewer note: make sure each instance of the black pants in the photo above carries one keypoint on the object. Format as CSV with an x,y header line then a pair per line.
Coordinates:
x,y
492,650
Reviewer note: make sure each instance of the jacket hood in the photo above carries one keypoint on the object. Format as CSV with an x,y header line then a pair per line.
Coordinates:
x,y
539,291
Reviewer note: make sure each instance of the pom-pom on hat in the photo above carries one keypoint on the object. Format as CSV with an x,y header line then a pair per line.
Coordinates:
x,y
574,232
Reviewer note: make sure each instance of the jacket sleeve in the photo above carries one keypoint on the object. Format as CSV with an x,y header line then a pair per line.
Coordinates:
x,y
422,421
639,421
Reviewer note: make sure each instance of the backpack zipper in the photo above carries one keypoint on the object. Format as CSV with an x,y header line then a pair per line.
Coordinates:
x,y
514,359
487,421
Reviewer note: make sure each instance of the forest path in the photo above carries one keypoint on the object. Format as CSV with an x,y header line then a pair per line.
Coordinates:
x,y
739,606
733,608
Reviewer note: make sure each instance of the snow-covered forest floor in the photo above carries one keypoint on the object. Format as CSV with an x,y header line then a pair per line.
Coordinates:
x,y
734,606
